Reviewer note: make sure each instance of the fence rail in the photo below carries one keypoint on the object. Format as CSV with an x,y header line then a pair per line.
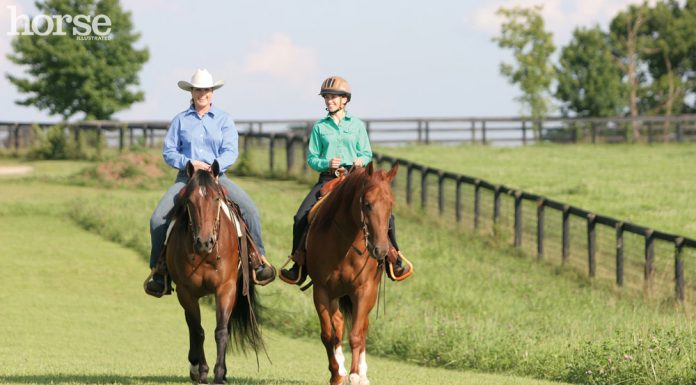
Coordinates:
x,y
632,254
494,130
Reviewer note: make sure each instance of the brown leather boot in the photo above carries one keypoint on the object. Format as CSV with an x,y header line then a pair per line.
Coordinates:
x,y
398,267
297,274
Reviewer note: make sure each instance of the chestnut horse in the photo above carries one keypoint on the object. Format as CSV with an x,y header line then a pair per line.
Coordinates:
x,y
346,246
203,258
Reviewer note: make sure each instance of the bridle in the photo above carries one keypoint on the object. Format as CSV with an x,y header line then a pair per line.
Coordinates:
x,y
194,228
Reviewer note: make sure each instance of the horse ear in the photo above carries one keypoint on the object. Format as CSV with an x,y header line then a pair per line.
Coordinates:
x,y
392,173
370,169
216,168
189,168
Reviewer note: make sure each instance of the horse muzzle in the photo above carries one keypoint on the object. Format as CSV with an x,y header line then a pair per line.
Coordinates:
x,y
379,252
203,245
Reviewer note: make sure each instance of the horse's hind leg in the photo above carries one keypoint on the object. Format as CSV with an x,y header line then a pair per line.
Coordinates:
x,y
225,300
196,356
324,309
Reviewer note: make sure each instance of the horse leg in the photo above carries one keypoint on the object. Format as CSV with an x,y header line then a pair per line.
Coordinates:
x,y
225,299
323,306
196,356
358,333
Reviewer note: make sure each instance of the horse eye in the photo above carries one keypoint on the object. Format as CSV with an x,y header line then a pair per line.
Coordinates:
x,y
368,206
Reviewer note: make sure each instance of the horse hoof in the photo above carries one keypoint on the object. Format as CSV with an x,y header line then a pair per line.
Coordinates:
x,y
354,379
194,374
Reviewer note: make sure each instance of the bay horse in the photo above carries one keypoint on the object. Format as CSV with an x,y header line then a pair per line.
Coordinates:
x,y
346,245
203,258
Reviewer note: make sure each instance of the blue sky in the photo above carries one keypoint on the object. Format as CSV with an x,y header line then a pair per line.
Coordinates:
x,y
403,59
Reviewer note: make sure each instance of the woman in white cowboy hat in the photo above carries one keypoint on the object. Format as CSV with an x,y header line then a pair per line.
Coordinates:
x,y
201,134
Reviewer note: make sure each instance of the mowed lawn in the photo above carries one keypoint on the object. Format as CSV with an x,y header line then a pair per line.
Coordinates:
x,y
650,185
72,311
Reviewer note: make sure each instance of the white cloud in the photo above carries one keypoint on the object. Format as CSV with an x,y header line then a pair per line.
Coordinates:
x,y
282,59
560,16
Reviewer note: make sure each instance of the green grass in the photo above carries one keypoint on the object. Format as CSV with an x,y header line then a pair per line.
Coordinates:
x,y
650,185
472,304
73,312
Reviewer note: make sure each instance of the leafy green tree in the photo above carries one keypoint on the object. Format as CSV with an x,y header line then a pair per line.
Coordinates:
x,y
71,73
589,78
671,29
523,32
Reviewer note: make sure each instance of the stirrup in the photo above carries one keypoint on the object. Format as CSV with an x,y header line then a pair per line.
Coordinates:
x,y
301,277
265,281
390,269
166,290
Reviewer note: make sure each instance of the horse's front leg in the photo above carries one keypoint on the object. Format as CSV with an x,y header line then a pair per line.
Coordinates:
x,y
225,301
324,308
199,367
362,305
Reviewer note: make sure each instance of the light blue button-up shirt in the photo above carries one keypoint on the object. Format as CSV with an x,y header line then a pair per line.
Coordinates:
x,y
190,137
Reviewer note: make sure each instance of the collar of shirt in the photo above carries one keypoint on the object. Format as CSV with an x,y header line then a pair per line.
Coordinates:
x,y
329,119
212,111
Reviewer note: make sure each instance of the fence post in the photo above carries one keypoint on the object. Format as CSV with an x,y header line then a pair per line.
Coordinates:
x,y
458,201
566,235
473,131
679,268
496,205
518,219
477,203
619,254
271,155
289,152
409,183
424,187
540,228
121,138
15,129
593,127
440,192
420,131
524,132
305,149
427,132
483,131
649,259
591,244
679,133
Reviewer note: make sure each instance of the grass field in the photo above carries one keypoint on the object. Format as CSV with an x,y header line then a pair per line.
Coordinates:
x,y
73,310
472,304
650,185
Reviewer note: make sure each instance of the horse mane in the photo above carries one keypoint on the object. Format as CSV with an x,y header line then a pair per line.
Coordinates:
x,y
200,178
343,193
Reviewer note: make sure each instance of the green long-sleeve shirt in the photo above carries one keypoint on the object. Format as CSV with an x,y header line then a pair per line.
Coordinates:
x,y
347,141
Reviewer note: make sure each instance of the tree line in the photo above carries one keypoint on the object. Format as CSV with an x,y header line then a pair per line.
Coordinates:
x,y
644,64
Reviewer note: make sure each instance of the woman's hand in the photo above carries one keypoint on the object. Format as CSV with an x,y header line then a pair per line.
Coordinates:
x,y
199,165
335,163
358,162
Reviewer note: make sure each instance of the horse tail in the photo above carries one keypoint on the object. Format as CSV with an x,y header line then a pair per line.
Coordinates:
x,y
244,322
346,307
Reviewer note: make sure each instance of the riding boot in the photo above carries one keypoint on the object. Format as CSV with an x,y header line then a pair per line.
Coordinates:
x,y
264,272
297,274
398,267
158,283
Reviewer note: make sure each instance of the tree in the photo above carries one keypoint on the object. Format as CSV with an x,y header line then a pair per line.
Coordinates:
x,y
589,78
672,32
523,32
71,73
627,31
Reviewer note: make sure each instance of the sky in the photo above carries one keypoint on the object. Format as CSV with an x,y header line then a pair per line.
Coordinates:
x,y
403,59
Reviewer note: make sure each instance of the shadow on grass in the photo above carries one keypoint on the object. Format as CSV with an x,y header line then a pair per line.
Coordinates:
x,y
120,379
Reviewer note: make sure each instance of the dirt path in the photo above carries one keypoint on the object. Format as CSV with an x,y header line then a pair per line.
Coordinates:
x,y
13,170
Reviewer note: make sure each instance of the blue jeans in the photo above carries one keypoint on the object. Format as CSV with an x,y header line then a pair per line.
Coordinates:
x,y
159,223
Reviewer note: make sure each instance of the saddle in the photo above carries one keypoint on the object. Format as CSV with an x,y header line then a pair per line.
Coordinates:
x,y
324,192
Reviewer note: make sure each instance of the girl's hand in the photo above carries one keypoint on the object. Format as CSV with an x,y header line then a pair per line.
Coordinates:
x,y
358,162
335,163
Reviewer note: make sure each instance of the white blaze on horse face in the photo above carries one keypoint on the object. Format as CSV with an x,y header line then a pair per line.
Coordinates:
x,y
201,191
340,359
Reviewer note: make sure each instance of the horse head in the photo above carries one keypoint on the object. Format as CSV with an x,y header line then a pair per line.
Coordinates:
x,y
375,209
203,199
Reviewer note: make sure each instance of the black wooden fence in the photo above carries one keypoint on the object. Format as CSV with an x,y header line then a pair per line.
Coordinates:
x,y
633,255
486,130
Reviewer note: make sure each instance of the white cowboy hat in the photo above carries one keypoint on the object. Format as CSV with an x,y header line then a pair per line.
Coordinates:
x,y
200,79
